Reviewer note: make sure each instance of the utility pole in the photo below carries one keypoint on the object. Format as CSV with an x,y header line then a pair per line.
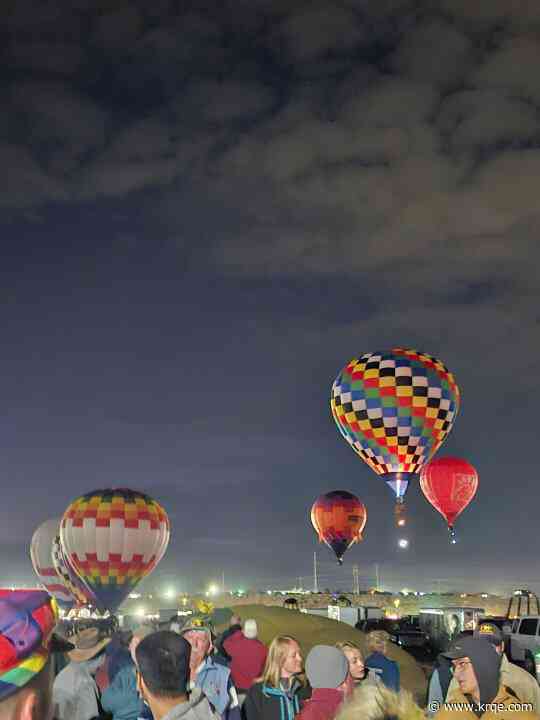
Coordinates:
x,y
315,582
223,583
356,580
377,578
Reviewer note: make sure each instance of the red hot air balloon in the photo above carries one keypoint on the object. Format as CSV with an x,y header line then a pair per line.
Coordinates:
x,y
339,518
449,485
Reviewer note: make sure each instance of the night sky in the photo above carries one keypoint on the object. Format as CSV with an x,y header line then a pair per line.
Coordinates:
x,y
208,208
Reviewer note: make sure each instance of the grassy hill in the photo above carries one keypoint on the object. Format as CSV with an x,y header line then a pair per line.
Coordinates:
x,y
312,630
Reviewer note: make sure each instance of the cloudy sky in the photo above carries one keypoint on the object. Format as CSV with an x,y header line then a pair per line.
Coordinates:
x,y
208,208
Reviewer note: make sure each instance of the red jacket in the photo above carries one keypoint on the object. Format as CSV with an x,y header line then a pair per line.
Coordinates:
x,y
248,658
323,705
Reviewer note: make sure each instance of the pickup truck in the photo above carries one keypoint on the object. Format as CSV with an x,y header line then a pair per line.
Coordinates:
x,y
522,640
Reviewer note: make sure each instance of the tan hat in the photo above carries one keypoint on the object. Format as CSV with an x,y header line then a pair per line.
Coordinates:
x,y
88,643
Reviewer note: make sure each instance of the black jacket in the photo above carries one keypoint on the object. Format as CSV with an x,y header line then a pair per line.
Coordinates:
x,y
260,705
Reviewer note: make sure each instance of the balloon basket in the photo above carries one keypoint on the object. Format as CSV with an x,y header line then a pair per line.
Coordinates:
x,y
400,514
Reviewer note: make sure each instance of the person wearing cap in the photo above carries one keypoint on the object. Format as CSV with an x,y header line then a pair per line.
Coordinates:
x,y
121,698
214,679
283,688
162,667
27,642
516,679
386,669
327,670
75,692
480,693
248,656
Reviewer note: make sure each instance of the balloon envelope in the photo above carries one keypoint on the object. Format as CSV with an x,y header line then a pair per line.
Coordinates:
x,y
42,562
70,579
395,409
339,518
113,539
449,484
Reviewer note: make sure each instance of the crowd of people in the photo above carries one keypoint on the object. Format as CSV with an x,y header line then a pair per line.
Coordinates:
x,y
188,673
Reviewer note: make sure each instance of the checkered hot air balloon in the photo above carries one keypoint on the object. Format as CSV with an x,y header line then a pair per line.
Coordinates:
x,y
395,409
41,555
113,539
449,484
339,519
82,594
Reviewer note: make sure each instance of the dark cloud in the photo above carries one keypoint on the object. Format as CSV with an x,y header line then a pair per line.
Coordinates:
x,y
212,208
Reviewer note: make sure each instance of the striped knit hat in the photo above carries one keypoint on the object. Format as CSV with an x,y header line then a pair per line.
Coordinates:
x,y
27,621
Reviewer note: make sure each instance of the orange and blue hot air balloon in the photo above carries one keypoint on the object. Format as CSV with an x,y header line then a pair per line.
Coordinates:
x,y
112,539
339,519
395,409
449,484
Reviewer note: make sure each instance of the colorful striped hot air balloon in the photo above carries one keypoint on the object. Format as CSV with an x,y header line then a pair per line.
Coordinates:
x,y
395,409
42,562
339,519
112,539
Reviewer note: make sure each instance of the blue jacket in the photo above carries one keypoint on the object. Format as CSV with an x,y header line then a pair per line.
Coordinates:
x,y
121,697
386,669
215,682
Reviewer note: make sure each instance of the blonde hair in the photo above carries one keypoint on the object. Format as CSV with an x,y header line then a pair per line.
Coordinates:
x,y
348,645
376,702
274,662
376,638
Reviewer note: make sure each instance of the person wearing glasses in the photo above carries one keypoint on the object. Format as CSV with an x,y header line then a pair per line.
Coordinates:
x,y
480,693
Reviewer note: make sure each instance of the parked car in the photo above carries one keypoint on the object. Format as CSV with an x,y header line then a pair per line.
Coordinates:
x,y
523,641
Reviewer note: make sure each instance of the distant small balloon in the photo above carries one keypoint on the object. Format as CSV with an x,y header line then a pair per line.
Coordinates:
x,y
339,519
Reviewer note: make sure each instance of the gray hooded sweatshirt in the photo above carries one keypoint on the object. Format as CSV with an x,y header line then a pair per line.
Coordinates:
x,y
196,708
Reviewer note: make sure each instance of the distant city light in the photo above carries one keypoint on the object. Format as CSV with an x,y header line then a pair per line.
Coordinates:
x,y
403,543
140,612
169,593
134,596
213,590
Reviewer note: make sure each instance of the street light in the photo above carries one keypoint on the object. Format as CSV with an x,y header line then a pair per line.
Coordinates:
x,y
403,543
140,612
169,593
213,590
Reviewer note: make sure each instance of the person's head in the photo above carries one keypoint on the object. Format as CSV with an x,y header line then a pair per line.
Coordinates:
x,y
235,620
27,622
328,668
475,666
200,639
162,663
376,702
283,661
250,629
355,659
377,641
491,633
89,648
138,635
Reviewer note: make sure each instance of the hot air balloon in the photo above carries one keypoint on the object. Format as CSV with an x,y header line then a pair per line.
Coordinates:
x,y
81,594
449,484
112,539
41,556
395,409
339,518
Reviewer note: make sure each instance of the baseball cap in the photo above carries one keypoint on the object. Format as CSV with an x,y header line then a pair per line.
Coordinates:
x,y
27,622
462,648
489,632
